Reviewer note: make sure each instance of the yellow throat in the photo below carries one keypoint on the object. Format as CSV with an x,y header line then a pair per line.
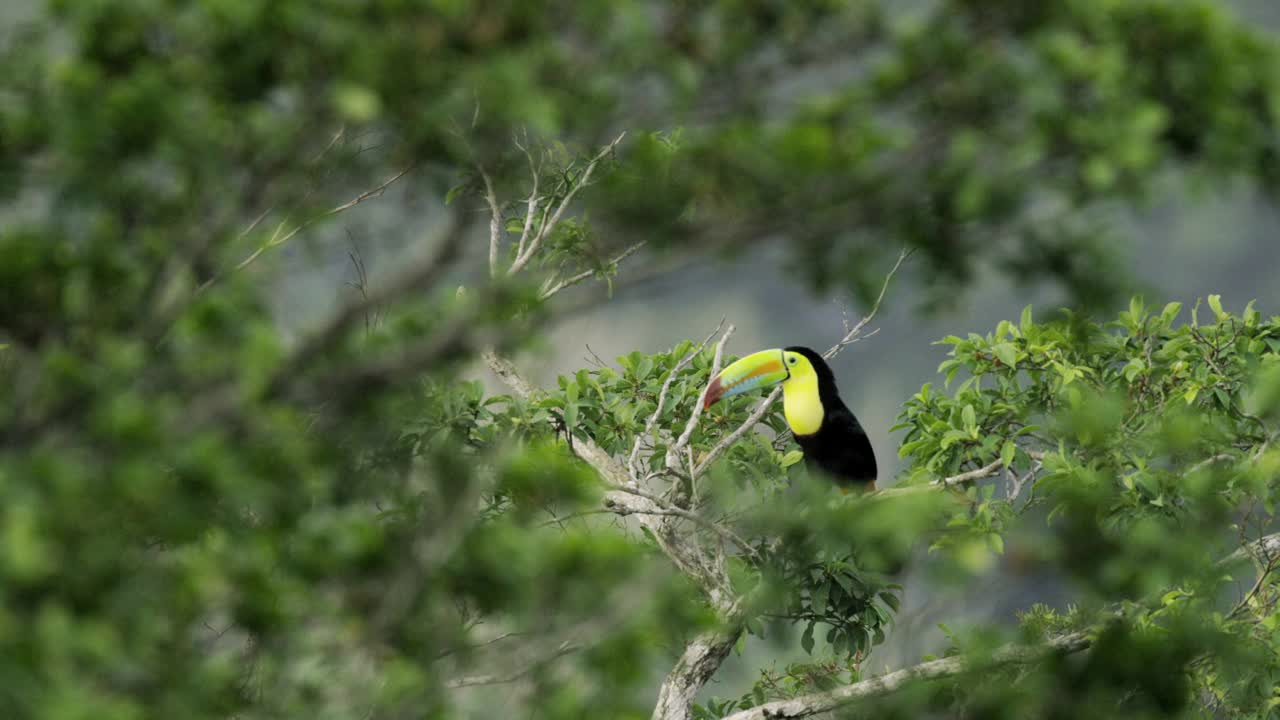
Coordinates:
x,y
801,403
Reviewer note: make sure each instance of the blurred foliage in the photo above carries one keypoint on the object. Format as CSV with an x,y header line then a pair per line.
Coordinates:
x,y
199,519
978,132
1134,456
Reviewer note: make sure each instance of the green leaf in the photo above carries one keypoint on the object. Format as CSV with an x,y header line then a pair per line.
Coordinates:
x,y
1133,369
996,543
951,437
1190,395
1215,304
792,458
644,367
1025,323
1007,452
1007,353
845,582
969,418
818,598
806,639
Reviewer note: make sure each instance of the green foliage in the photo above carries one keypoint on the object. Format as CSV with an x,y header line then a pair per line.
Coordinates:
x,y
204,516
1134,455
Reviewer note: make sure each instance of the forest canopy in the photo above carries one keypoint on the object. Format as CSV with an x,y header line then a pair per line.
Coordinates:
x,y
207,511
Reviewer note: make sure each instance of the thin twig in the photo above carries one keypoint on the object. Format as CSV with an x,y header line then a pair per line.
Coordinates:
x,y
662,399
747,425
280,239
423,274
558,285
666,509
716,361
546,228
477,646
853,334
985,471
532,202
826,701
564,649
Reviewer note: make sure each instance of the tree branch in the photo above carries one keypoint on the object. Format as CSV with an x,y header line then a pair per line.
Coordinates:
x,y
532,202
422,274
815,703
662,399
697,664
1012,654
495,222
853,334
558,285
547,227
702,656
277,239
473,680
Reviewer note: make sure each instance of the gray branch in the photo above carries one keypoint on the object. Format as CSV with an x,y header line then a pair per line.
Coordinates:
x,y
813,704
1012,654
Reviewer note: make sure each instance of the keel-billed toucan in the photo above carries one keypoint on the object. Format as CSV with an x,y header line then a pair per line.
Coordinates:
x,y
831,437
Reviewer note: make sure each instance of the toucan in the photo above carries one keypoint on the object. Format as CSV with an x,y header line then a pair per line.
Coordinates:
x,y
832,439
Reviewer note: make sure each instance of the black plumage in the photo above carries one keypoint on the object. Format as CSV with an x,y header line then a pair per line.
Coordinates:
x,y
840,448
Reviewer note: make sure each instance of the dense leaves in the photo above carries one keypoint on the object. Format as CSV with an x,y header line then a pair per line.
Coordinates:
x,y
1133,456
208,510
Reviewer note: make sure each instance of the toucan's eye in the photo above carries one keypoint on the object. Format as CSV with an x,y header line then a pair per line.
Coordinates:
x,y
791,360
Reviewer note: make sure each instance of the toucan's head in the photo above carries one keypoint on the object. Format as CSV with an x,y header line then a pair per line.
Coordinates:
x,y
766,368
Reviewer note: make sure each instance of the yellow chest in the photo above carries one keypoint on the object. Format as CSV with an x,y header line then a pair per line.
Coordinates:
x,y
802,405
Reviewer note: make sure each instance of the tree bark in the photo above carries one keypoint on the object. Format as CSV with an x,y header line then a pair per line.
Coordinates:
x,y
701,659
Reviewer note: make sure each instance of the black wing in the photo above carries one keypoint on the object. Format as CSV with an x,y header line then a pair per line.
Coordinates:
x,y
841,449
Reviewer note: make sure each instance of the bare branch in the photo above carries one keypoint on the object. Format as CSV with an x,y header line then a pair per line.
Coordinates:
x,y
532,202
673,452
279,238
853,334
558,285
1012,654
549,225
702,656
667,509
1261,550
700,660
1221,457
687,556
477,646
495,222
991,468
662,399
747,426
813,704
564,649
422,274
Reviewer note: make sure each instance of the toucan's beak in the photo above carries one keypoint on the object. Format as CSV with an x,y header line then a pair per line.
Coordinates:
x,y
757,370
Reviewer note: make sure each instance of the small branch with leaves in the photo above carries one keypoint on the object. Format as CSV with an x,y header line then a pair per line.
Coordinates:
x,y
542,215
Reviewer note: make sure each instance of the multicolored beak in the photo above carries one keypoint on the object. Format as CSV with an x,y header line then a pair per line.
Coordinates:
x,y
757,370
